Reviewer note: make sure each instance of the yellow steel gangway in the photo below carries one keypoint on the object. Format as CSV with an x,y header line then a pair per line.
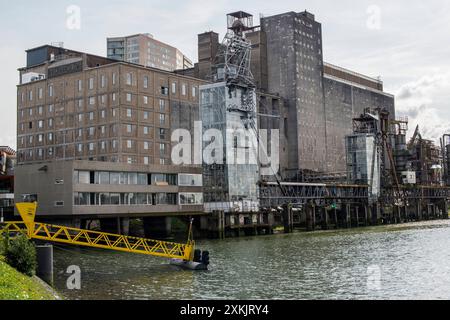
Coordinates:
x,y
94,239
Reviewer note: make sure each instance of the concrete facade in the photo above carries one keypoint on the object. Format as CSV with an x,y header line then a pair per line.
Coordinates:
x,y
143,49
57,186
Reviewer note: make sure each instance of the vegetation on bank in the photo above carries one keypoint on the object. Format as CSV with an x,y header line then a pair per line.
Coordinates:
x,y
15,285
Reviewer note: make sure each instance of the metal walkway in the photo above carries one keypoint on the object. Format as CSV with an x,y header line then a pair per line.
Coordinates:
x,y
94,239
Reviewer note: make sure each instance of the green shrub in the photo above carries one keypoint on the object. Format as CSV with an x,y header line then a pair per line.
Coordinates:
x,y
21,255
3,244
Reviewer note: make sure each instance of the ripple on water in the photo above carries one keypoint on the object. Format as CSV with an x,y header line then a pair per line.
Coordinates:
x,y
413,261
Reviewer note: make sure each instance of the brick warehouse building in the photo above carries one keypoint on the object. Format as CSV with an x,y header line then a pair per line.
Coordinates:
x,y
96,132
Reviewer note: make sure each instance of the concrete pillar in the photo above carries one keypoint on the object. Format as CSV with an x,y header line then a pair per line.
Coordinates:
x,y
288,219
309,211
44,256
158,228
445,209
366,215
125,226
335,219
325,219
348,216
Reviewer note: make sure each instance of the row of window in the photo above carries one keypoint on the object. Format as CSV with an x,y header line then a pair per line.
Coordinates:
x,y
126,199
135,178
103,84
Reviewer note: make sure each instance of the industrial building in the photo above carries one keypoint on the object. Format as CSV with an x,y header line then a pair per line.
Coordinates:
x,y
316,100
145,50
94,137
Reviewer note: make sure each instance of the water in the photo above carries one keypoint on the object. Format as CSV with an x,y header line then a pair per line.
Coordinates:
x,y
391,262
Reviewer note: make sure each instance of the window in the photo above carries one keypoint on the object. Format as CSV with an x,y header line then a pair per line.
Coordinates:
x,y
129,128
191,198
30,95
50,91
129,79
40,93
31,112
103,114
146,130
183,89
40,137
145,115
40,110
103,99
40,124
115,199
91,146
129,144
142,179
174,87
113,97
190,180
162,105
129,97
164,91
84,177
102,130
80,85
114,78
102,178
91,83
91,116
91,131
162,134
114,177
194,91
146,145
141,199
80,148
145,100
91,101
80,117
103,81
162,119
129,113
50,108
50,137
103,145
146,82
162,149
146,160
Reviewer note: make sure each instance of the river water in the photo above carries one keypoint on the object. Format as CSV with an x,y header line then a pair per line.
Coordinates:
x,y
410,261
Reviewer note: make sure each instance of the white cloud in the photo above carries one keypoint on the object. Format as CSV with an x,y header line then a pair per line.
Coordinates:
x,y
425,101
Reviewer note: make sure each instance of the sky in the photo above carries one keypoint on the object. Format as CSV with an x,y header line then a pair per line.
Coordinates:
x,y
405,42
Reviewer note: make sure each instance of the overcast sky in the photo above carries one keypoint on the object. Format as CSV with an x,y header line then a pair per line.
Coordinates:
x,y
405,42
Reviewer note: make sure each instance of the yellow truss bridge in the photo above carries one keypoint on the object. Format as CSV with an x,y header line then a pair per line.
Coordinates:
x,y
94,239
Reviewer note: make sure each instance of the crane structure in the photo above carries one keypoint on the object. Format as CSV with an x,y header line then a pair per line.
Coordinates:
x,y
94,239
